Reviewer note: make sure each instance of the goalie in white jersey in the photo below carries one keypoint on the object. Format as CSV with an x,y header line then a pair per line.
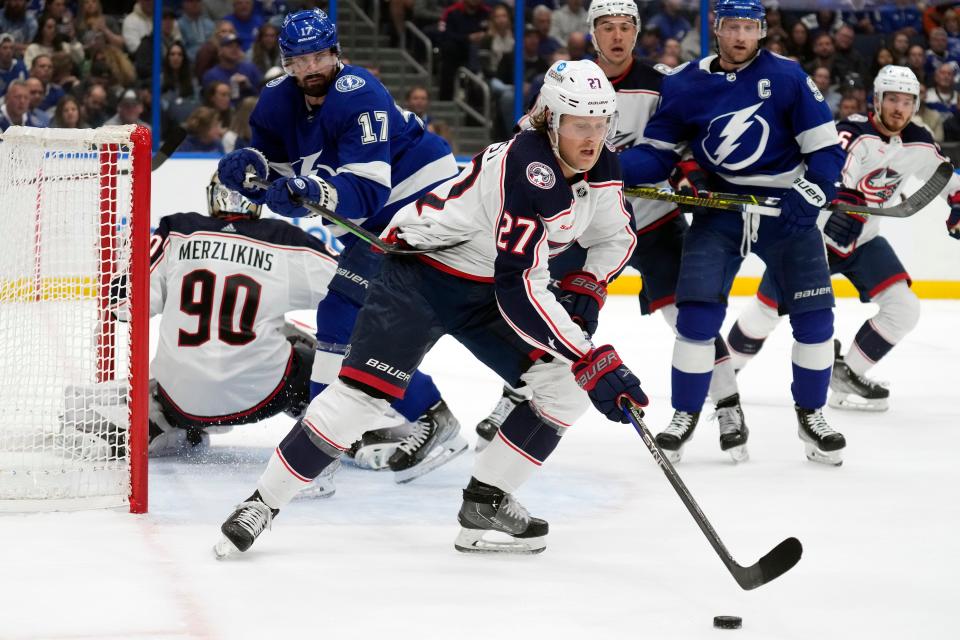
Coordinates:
x,y
884,150
223,283
514,207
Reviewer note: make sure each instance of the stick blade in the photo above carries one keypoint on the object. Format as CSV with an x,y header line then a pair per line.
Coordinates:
x,y
781,559
925,194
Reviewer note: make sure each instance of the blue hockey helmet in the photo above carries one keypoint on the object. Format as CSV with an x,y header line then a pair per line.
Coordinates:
x,y
307,31
741,10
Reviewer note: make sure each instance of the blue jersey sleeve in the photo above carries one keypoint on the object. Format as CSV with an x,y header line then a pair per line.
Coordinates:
x,y
816,134
264,136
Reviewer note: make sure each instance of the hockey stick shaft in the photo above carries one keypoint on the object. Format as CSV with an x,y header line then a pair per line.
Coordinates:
x,y
770,206
783,557
348,225
175,137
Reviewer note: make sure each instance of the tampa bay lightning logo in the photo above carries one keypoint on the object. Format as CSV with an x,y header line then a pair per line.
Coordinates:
x,y
737,139
349,83
880,184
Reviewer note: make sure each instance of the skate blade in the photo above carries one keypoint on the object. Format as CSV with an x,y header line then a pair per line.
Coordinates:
x,y
739,453
374,457
851,402
472,541
225,549
440,456
814,454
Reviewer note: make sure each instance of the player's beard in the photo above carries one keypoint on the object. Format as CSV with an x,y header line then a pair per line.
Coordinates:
x,y
316,85
894,128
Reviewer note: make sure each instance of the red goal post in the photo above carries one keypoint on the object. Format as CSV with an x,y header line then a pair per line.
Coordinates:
x,y
74,318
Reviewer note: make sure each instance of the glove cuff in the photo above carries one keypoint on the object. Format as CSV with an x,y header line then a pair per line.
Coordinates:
x,y
810,191
594,365
265,164
583,283
327,197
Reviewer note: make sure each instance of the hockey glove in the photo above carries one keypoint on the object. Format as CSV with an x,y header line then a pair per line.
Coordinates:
x,y
845,228
235,166
801,205
607,381
689,179
285,196
582,295
953,222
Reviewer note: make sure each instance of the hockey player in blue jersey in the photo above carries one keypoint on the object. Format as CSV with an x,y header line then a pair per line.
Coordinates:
x,y
517,205
757,124
331,133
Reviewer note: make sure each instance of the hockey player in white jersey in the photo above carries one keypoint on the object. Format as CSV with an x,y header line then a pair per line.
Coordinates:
x,y
223,283
517,204
884,150
660,226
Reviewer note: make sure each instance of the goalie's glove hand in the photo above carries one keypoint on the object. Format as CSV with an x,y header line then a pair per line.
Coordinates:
x,y
953,222
602,374
234,167
689,179
582,296
845,228
286,196
800,206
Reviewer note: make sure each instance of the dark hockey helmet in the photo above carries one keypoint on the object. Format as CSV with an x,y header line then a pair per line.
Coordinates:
x,y
741,10
222,202
305,32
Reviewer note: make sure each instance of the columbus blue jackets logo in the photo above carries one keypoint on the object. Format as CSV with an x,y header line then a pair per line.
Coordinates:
x,y
540,175
880,184
350,83
736,140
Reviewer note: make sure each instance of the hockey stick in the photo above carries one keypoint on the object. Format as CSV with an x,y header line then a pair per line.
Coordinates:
x,y
771,566
175,136
769,206
365,235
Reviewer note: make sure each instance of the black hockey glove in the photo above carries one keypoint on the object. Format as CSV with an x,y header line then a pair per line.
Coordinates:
x,y
602,374
690,179
801,205
234,167
845,228
582,295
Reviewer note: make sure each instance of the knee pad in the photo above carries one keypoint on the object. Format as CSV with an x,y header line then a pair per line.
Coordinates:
x,y
899,312
557,398
700,321
812,327
758,320
670,316
341,414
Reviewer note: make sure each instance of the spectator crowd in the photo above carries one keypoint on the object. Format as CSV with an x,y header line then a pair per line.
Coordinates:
x,y
87,63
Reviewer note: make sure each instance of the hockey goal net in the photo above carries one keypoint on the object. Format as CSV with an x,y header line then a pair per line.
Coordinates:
x,y
74,318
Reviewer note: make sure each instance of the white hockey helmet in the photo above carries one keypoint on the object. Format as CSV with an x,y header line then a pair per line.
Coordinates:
x,y
895,79
602,8
222,201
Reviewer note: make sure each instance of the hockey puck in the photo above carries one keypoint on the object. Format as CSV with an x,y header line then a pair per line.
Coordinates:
x,y
727,622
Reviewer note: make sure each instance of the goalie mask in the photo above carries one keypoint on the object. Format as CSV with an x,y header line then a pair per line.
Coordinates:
x,y
222,202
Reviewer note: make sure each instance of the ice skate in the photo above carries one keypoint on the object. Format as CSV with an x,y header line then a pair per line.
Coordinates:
x,y
434,441
733,428
492,521
323,486
822,443
374,449
849,390
244,525
488,427
672,439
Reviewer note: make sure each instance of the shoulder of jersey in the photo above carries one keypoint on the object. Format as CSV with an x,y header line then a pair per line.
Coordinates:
x,y
188,222
643,76
531,165
856,125
280,232
607,167
354,81
916,133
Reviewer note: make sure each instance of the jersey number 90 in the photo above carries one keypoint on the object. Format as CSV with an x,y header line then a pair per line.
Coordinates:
x,y
198,298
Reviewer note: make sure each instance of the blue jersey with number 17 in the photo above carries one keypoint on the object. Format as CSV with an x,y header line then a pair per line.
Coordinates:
x,y
377,156
754,130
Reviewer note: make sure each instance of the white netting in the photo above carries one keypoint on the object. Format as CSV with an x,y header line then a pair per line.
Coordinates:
x,y
65,202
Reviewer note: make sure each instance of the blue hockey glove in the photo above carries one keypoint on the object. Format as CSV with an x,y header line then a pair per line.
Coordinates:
x,y
845,228
953,222
602,374
582,295
285,196
801,205
235,166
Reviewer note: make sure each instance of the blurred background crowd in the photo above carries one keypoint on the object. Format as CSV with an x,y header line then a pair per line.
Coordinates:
x,y
86,63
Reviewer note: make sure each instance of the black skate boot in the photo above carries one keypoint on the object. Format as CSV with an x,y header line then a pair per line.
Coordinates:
x,y
486,508
733,428
434,441
822,443
488,427
672,439
849,390
244,525
373,450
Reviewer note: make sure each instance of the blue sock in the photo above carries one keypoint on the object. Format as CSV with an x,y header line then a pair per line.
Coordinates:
x,y
421,395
